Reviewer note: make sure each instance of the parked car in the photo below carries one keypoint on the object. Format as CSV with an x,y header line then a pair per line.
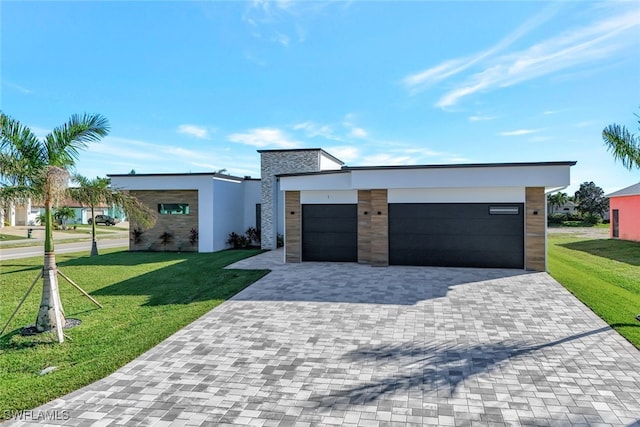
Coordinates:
x,y
103,219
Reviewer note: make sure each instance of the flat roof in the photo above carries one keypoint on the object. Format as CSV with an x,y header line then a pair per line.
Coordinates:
x,y
286,150
211,174
345,169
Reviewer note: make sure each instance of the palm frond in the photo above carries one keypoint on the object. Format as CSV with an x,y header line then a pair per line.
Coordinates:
x,y
64,142
623,145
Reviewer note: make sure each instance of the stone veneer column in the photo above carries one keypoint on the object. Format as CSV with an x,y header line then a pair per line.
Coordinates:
x,y
275,162
364,226
293,227
535,248
379,228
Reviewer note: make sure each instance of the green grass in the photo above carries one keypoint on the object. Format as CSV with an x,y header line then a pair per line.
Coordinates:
x,y
6,237
146,298
604,274
577,224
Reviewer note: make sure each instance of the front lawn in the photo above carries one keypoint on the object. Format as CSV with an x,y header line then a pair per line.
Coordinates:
x,y
604,274
11,237
147,296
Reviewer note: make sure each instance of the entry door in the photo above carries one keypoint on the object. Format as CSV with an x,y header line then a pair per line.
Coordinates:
x,y
616,223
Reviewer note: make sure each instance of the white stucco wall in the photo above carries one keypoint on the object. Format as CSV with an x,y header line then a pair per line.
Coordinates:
x,y
500,176
252,196
320,197
457,195
327,163
228,211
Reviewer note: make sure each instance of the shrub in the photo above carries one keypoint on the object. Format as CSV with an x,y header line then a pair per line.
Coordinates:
x,y
591,218
253,234
557,218
279,241
193,236
238,241
136,235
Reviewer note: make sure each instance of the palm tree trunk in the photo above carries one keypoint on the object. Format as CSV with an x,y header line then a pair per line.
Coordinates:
x,y
50,312
94,244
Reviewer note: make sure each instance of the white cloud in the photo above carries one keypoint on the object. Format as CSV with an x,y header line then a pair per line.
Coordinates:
x,y
357,132
519,132
313,130
426,78
194,130
493,69
263,138
382,159
481,118
19,88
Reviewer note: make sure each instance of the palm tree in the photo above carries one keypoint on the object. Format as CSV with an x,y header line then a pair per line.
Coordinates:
x,y
557,200
39,169
63,214
92,192
624,145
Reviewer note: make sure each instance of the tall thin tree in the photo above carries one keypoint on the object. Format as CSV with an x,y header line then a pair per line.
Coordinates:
x,y
39,168
93,192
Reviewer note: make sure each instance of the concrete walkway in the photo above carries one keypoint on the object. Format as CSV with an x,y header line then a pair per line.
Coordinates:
x,y
352,345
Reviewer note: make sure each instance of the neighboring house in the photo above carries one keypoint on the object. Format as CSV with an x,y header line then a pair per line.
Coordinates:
x,y
479,215
569,208
624,208
18,214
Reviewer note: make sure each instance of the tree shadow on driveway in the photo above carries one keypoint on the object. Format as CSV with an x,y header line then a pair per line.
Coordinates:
x,y
430,369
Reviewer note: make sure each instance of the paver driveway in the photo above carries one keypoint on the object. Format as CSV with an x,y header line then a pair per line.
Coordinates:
x,y
353,345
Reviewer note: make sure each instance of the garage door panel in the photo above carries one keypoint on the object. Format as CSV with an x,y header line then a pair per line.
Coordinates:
x,y
471,243
465,258
449,226
330,233
455,234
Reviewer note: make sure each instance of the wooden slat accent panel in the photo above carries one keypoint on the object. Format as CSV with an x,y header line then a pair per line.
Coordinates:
x,y
293,222
364,226
535,229
379,228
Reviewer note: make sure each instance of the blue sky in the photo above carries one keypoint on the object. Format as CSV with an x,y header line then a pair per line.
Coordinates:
x,y
200,86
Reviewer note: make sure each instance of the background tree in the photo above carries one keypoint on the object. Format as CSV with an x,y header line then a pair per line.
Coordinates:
x,y
557,200
591,199
63,214
39,168
624,145
94,192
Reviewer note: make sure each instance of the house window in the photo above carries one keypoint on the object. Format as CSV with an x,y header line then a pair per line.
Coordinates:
x,y
173,208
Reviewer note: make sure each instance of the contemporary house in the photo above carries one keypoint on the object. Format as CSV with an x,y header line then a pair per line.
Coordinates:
x,y
473,215
624,211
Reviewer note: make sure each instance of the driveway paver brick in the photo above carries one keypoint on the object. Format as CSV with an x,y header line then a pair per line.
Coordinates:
x,y
353,345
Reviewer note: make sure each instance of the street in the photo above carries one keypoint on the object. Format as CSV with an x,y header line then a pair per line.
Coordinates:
x,y
7,253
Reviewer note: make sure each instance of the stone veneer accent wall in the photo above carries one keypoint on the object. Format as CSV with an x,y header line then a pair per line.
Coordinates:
x,y
178,225
274,163
293,226
535,229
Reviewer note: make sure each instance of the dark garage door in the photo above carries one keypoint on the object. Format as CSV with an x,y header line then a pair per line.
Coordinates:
x,y
457,234
330,233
